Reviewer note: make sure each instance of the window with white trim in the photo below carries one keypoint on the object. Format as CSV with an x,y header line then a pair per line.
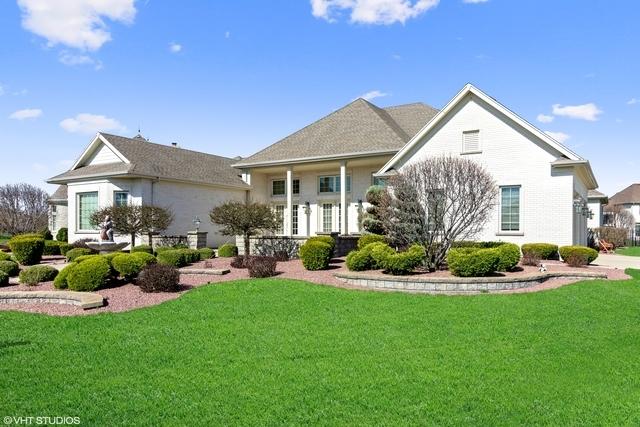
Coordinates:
x,y
294,220
379,181
54,217
279,210
471,141
279,187
120,198
510,208
637,229
87,205
327,217
331,184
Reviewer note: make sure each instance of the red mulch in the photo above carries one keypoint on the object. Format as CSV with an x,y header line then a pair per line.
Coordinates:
x,y
129,297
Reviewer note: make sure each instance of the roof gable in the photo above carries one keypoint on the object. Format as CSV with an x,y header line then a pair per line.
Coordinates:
x,y
422,136
359,127
629,195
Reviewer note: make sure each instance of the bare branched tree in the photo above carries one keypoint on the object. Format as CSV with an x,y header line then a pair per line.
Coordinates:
x,y
23,208
619,217
437,201
135,219
244,219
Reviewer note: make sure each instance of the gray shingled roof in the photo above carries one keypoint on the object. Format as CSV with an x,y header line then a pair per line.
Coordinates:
x,y
59,194
359,127
162,161
629,195
595,194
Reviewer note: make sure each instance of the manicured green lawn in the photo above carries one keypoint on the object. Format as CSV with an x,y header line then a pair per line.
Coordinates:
x,y
630,251
268,352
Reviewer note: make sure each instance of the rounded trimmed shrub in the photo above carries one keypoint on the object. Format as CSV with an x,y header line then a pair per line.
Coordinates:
x,y
473,262
239,261
379,253
509,254
324,239
37,274
174,257
5,256
578,255
206,253
64,248
142,248
403,263
315,255
51,247
62,235
84,258
159,278
227,250
89,275
60,282
10,268
74,253
370,238
474,244
540,250
145,258
4,278
359,260
127,265
27,250
46,234
262,266
162,249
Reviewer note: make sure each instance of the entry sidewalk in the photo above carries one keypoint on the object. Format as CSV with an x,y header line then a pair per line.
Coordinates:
x,y
618,261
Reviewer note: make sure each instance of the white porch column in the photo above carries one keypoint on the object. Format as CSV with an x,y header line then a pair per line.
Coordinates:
x,y
343,197
288,220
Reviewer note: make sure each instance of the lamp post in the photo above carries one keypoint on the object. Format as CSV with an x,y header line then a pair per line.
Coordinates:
x,y
196,222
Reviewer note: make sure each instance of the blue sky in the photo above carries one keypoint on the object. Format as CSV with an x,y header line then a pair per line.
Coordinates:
x,y
231,77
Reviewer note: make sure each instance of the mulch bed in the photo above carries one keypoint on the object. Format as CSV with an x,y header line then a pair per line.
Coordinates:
x,y
129,297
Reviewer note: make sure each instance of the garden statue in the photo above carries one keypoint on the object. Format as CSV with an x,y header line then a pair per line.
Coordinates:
x,y
106,230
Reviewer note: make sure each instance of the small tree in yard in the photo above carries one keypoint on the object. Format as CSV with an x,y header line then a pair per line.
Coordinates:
x,y
244,219
371,221
619,217
436,202
23,208
135,219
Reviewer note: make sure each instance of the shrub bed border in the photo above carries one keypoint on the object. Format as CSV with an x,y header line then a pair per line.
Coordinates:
x,y
456,284
84,300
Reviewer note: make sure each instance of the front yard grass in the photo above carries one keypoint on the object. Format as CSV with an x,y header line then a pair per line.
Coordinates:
x,y
274,351
629,251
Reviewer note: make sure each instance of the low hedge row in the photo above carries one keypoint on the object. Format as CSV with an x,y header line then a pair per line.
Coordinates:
x,y
370,238
227,250
578,255
540,250
379,255
473,262
27,249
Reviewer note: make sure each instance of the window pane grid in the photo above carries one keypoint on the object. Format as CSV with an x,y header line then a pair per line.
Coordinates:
x,y
294,220
510,203
327,217
331,184
278,188
87,205
280,216
121,198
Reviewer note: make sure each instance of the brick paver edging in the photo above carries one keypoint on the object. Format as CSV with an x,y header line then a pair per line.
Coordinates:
x,y
84,300
457,284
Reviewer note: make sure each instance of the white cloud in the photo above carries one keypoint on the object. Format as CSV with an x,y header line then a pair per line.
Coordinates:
x,y
75,23
474,1
72,60
175,47
544,118
27,113
384,12
561,137
91,123
633,101
588,111
227,34
372,95
396,57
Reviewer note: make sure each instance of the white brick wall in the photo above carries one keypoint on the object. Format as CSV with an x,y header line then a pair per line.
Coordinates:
x,y
513,157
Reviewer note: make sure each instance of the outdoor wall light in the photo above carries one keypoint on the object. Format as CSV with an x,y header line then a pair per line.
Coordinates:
x,y
196,222
307,208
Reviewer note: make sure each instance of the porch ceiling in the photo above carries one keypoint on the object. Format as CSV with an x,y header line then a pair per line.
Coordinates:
x,y
376,162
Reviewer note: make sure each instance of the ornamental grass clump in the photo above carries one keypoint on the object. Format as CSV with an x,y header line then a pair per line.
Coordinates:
x,y
37,274
262,266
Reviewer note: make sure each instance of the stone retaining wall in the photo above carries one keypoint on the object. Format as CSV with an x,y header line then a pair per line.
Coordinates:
x,y
84,300
456,284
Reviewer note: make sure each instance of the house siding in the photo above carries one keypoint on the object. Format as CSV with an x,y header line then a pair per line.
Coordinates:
x,y
513,157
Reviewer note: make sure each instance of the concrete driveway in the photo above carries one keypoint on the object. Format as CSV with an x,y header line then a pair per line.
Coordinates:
x,y
617,261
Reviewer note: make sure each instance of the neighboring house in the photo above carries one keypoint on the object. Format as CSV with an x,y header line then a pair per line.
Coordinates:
x,y
628,199
115,170
58,210
596,201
